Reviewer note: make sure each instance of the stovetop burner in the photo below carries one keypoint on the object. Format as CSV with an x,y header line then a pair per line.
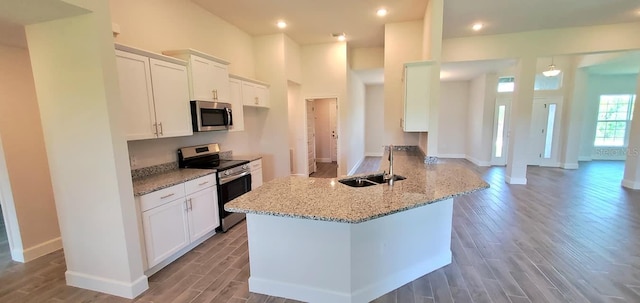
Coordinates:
x,y
205,156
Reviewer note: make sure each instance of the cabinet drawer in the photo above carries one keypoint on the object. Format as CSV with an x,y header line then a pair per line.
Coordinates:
x,y
199,184
257,164
161,197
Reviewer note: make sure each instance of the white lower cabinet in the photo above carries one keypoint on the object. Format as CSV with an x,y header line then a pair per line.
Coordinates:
x,y
166,231
256,173
202,205
178,218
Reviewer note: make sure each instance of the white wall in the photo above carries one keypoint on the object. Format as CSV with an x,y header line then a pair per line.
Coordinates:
x,y
453,128
367,58
158,25
324,75
403,43
354,122
602,85
296,137
482,97
374,118
26,159
269,52
76,82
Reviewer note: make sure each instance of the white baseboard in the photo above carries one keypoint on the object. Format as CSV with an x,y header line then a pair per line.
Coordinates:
x,y
478,162
631,184
452,156
583,158
127,290
521,181
374,154
569,165
300,175
323,160
42,249
355,167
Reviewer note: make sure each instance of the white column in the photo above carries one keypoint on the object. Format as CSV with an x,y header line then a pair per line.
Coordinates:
x,y
521,109
632,165
74,68
573,119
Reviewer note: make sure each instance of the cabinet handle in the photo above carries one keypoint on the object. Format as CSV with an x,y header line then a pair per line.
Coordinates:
x,y
161,132
256,100
215,94
155,127
203,183
190,204
167,196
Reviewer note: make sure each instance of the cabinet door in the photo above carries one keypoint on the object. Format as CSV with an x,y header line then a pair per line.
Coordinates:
x,y
249,97
202,76
256,174
256,179
171,97
235,92
262,93
203,212
417,83
134,76
165,231
221,82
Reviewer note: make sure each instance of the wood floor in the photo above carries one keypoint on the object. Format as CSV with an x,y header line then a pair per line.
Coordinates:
x,y
567,236
325,170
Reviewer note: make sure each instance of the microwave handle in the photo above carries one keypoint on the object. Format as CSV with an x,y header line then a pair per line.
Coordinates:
x,y
229,117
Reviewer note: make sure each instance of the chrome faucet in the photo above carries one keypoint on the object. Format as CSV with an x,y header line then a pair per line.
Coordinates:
x,y
389,176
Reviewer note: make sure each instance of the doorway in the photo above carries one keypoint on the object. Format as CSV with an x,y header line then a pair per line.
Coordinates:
x,y
322,137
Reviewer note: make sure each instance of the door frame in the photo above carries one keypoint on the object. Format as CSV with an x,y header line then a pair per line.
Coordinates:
x,y
9,214
338,128
309,102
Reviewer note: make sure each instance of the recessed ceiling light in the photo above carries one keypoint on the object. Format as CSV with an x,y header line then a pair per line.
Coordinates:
x,y
477,26
382,12
281,24
339,36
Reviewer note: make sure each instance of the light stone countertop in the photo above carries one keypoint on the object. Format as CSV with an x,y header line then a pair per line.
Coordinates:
x,y
159,181
329,200
247,157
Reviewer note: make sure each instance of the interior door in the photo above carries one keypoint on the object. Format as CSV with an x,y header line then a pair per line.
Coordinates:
x,y
501,132
311,137
333,124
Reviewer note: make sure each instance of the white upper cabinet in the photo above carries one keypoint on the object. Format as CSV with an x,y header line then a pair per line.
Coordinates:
x,y
417,89
208,75
255,93
235,92
171,96
155,94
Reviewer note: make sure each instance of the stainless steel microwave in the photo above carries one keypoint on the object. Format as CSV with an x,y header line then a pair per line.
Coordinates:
x,y
210,116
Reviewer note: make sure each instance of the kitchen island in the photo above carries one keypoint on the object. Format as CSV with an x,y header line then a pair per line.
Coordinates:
x,y
317,240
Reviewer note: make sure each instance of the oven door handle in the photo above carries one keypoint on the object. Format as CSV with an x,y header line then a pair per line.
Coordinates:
x,y
233,177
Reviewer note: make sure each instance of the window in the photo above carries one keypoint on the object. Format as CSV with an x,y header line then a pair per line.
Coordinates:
x,y
506,84
614,117
547,83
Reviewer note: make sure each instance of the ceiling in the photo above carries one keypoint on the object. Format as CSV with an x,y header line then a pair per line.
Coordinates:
x,y
622,63
463,71
313,21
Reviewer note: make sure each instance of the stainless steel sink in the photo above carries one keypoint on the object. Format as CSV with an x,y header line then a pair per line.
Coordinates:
x,y
357,182
379,178
370,180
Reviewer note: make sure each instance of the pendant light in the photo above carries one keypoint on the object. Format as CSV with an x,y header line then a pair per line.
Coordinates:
x,y
552,71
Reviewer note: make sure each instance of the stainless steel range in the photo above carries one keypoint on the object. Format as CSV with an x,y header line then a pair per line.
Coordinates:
x,y
233,177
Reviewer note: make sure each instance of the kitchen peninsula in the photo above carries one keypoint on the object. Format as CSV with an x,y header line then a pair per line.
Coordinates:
x,y
318,240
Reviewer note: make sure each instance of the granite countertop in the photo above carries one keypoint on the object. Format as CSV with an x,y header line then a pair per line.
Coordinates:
x,y
329,200
148,184
247,157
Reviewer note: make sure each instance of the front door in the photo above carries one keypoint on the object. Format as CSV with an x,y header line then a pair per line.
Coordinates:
x,y
501,132
311,137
